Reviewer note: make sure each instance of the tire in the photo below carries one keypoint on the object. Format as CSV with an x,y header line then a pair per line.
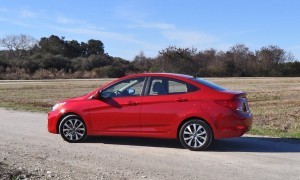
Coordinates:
x,y
72,129
195,135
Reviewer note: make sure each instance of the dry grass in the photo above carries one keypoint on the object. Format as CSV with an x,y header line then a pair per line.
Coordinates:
x,y
41,95
275,102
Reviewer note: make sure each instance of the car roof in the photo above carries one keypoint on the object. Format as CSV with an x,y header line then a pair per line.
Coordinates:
x,y
162,75
170,75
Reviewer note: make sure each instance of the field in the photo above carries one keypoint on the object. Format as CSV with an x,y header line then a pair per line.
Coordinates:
x,y
275,102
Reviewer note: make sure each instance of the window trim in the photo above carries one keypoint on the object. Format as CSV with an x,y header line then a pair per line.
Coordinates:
x,y
137,77
150,78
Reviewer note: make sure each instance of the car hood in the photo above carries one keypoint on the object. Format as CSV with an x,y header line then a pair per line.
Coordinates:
x,y
79,98
74,99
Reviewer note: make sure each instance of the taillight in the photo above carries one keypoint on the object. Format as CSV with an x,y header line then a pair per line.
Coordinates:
x,y
244,107
239,104
232,104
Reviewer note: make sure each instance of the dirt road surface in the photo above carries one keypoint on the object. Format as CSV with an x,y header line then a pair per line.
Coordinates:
x,y
26,144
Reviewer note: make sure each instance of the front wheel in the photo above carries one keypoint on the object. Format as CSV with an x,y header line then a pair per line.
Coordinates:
x,y
195,135
72,129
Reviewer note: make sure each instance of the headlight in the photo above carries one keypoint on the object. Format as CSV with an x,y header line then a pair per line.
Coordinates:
x,y
58,105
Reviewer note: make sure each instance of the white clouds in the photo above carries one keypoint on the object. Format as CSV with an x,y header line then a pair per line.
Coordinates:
x,y
116,44
159,25
153,25
99,34
154,35
130,13
64,20
15,22
167,33
28,14
68,22
188,38
124,36
20,17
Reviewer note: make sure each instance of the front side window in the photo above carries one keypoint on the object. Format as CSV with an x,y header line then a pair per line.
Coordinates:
x,y
163,86
128,87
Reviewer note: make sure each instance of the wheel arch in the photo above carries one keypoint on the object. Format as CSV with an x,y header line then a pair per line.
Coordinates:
x,y
64,116
191,118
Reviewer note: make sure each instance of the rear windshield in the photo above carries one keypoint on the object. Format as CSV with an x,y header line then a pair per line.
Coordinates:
x,y
209,84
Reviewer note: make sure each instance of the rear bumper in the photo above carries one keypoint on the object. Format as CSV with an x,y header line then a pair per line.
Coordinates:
x,y
233,126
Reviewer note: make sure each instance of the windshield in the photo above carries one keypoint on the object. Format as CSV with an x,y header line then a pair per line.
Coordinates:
x,y
209,84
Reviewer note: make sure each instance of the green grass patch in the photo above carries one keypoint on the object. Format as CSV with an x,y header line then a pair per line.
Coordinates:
x,y
274,133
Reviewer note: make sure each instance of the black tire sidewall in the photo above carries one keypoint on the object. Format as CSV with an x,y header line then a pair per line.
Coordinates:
x,y
64,120
207,129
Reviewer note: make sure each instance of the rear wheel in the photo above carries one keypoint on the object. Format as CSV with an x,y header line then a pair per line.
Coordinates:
x,y
195,135
72,129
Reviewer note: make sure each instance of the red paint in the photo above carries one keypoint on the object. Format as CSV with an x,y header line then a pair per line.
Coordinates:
x,y
161,115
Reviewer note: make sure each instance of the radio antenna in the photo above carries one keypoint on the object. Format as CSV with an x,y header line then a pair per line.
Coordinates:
x,y
195,76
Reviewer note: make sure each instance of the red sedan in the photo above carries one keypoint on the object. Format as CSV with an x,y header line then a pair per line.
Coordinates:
x,y
158,105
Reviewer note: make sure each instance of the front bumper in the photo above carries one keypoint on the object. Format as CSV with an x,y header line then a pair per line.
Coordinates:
x,y
53,117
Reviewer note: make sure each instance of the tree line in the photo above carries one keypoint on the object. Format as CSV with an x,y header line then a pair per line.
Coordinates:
x,y
54,57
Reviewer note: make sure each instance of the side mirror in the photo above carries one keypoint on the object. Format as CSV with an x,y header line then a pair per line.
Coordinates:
x,y
102,95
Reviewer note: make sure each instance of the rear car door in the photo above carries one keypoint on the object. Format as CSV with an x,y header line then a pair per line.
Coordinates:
x,y
165,103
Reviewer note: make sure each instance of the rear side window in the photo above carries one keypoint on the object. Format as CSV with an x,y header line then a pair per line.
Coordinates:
x,y
177,87
209,84
164,86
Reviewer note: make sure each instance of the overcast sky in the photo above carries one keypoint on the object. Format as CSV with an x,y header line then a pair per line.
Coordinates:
x,y
127,27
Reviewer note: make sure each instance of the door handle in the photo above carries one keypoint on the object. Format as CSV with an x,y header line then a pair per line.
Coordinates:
x,y
132,103
181,100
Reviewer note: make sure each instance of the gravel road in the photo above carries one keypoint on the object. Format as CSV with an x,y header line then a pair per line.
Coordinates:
x,y
26,146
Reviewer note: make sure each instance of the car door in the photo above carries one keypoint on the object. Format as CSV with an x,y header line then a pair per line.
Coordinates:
x,y
119,111
165,103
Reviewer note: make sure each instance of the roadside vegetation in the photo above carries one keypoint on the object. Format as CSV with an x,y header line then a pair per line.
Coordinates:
x,y
23,57
275,102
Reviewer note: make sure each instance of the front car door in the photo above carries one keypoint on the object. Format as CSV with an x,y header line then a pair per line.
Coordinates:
x,y
119,111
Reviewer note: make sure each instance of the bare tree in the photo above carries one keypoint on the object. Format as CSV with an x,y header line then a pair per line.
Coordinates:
x,y
271,57
177,60
18,44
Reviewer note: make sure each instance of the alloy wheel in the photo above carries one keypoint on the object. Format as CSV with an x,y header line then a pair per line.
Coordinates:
x,y
194,135
72,129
